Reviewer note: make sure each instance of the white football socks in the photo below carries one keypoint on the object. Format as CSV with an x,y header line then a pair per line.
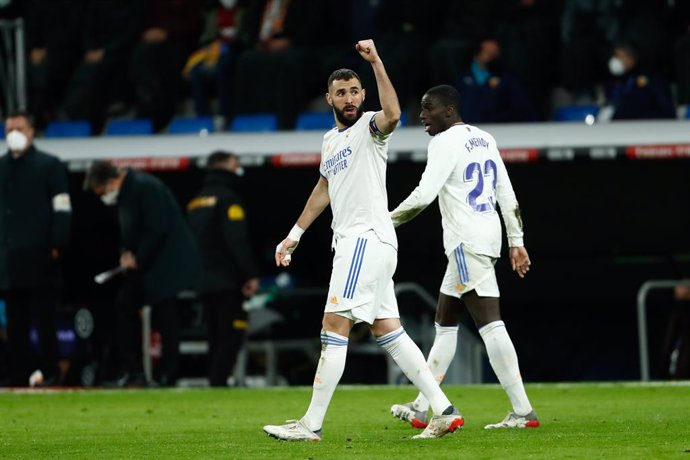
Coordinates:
x,y
504,361
328,374
409,357
440,357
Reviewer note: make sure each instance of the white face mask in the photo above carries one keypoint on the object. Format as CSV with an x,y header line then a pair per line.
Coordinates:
x,y
616,66
228,3
17,141
110,198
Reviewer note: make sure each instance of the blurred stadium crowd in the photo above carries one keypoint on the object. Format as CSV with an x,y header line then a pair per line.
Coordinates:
x,y
513,60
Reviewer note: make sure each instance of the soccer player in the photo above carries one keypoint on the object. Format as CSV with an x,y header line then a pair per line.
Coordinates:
x,y
464,169
353,182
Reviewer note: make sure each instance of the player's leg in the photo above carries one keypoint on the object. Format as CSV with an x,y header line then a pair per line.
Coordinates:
x,y
485,312
440,356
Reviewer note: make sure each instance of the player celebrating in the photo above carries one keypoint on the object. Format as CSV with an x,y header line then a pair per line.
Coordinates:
x,y
465,170
353,181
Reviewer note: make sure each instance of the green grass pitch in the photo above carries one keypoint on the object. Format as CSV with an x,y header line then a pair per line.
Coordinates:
x,y
578,421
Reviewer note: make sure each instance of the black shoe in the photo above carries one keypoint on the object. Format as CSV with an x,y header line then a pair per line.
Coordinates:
x,y
127,380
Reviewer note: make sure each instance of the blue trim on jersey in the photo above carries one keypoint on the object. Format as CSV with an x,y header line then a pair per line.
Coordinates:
x,y
355,268
334,341
386,339
323,175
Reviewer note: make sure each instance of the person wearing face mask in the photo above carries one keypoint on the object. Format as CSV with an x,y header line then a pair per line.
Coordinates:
x,y
635,93
229,270
35,215
489,94
161,259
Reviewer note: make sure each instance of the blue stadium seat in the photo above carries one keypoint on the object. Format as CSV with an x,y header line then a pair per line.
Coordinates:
x,y
254,122
307,121
403,119
575,112
194,125
68,129
2,130
136,127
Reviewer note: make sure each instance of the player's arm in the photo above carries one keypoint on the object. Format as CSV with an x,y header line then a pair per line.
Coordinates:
x,y
505,195
317,202
387,119
438,168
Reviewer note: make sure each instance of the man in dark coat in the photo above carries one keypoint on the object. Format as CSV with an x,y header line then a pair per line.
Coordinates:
x,y
229,275
35,213
161,259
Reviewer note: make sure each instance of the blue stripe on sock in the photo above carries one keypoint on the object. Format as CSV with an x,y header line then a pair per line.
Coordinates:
x,y
330,340
363,248
352,265
388,338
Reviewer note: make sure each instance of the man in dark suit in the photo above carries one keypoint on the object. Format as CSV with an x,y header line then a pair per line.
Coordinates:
x,y
35,213
160,257
229,275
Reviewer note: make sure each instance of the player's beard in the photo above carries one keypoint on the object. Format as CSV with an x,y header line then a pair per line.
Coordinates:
x,y
340,115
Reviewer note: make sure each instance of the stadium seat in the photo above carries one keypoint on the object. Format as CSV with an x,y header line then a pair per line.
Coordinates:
x,y
2,130
575,112
254,122
307,121
68,129
194,125
137,127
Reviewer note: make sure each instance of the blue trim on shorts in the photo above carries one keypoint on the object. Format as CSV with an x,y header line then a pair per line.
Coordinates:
x,y
462,265
355,268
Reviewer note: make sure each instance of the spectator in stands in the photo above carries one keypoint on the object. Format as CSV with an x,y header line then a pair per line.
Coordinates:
x,y
171,33
110,30
211,69
35,213
489,94
229,271
53,38
275,34
588,29
161,260
635,93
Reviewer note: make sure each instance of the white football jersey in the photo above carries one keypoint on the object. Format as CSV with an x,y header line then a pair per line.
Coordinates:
x,y
465,170
353,161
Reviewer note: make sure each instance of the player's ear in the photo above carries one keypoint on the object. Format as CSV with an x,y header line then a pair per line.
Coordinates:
x,y
328,99
364,94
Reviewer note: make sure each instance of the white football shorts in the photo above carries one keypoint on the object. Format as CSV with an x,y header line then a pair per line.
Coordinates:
x,y
361,286
468,271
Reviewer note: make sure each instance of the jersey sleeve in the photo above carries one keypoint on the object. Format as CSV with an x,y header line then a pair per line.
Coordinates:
x,y
510,210
441,160
375,132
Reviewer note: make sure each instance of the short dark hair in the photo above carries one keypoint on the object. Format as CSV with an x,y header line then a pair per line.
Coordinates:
x,y
218,158
446,95
343,74
21,114
99,173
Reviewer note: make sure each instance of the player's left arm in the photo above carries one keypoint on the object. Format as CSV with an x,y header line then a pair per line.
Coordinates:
x,y
505,195
387,119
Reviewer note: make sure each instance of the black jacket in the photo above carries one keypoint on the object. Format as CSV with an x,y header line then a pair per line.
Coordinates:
x,y
153,228
218,220
32,220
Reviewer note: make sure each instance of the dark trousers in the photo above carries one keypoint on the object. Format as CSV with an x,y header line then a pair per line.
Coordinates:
x,y
128,304
22,306
227,326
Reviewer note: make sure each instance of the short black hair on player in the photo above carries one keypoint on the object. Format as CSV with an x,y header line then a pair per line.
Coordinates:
x,y
343,74
446,95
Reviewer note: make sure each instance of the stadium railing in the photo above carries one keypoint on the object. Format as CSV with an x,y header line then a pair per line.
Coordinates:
x,y
643,340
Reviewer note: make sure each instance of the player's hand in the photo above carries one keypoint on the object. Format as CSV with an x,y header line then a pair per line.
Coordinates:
x,y
367,50
519,260
284,252
128,260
